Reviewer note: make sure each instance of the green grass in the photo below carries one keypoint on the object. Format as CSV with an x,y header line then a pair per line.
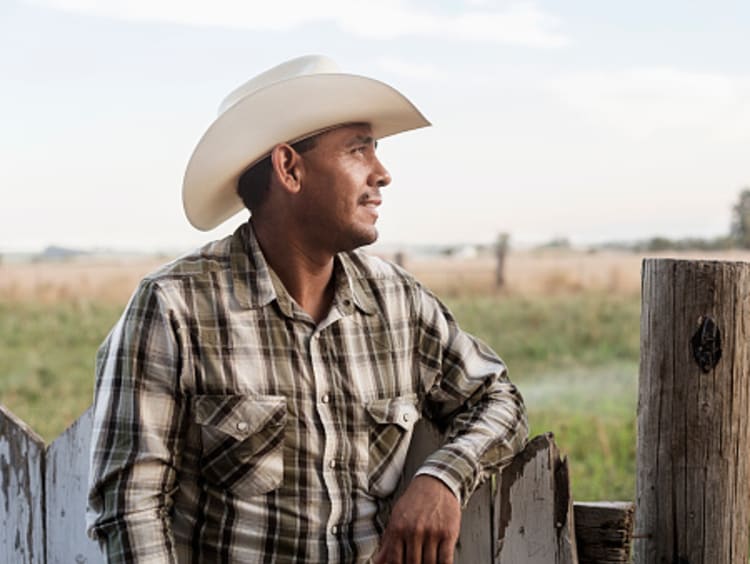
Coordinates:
x,y
537,336
592,413
47,360
574,358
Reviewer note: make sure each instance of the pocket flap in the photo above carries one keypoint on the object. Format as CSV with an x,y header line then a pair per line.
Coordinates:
x,y
239,415
400,411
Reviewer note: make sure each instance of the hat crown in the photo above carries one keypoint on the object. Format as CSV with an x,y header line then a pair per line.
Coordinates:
x,y
301,66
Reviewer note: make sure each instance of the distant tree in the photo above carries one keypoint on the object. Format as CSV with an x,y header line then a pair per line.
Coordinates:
x,y
741,220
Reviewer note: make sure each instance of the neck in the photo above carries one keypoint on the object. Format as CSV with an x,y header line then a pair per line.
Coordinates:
x,y
306,275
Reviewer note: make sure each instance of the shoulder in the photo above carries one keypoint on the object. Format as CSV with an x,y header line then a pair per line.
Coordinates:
x,y
195,271
210,258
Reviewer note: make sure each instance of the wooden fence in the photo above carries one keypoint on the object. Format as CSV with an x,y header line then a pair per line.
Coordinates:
x,y
693,484
526,518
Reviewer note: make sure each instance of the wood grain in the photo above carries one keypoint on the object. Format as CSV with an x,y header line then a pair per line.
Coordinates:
x,y
66,481
693,487
22,535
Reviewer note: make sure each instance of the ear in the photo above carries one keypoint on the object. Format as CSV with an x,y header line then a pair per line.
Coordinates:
x,y
286,166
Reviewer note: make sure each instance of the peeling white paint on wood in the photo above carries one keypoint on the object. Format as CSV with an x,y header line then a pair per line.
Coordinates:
x,y
21,492
534,508
66,481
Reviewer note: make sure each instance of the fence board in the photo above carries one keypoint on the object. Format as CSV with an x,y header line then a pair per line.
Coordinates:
x,y
22,535
66,480
534,508
604,531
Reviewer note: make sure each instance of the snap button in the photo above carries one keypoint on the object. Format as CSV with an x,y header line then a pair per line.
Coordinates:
x,y
347,303
335,530
326,398
333,464
242,426
406,417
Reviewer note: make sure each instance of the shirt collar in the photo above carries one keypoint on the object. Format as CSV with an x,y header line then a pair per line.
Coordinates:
x,y
251,276
256,285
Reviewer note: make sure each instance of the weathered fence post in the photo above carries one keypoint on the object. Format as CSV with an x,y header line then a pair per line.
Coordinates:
x,y
693,483
501,252
22,535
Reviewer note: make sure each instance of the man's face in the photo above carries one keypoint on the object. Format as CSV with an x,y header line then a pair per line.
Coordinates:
x,y
341,188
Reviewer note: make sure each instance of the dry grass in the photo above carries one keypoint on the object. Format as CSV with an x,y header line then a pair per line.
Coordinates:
x,y
70,281
528,273
549,272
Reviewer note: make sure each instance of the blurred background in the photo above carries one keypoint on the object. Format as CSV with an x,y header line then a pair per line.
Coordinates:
x,y
568,142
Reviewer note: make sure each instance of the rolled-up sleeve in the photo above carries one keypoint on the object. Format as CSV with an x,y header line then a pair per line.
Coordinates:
x,y
135,444
468,393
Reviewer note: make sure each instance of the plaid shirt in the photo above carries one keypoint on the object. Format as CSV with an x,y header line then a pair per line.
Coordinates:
x,y
229,427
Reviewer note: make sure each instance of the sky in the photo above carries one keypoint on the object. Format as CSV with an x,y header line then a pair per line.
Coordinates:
x,y
591,120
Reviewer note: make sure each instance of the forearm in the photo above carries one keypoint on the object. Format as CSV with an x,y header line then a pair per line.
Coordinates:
x,y
467,392
480,441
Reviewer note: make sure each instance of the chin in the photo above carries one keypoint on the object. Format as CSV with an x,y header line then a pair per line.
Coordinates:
x,y
361,238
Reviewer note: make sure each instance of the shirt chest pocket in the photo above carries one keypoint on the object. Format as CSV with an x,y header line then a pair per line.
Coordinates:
x,y
391,425
242,441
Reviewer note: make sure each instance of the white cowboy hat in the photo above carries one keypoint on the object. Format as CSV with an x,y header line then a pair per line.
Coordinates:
x,y
282,105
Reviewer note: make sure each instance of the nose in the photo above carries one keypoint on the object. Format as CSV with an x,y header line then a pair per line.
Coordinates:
x,y
380,176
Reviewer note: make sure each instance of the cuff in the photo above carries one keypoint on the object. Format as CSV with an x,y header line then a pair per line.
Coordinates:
x,y
454,469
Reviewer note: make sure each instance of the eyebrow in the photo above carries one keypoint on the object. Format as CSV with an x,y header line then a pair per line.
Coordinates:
x,y
362,140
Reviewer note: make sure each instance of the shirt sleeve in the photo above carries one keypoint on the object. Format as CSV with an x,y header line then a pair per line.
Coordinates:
x,y
135,443
467,393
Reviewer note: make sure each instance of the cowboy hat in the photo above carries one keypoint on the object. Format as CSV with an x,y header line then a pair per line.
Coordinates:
x,y
285,104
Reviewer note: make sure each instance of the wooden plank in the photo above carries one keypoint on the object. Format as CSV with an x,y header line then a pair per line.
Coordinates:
x,y
693,481
474,544
21,492
604,531
534,508
66,480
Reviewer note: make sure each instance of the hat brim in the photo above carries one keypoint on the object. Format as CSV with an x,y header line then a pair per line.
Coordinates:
x,y
283,112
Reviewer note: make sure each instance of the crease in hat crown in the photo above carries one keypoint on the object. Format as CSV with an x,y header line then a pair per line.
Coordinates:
x,y
309,64
283,104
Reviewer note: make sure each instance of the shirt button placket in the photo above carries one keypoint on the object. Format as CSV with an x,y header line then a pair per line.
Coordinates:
x,y
321,377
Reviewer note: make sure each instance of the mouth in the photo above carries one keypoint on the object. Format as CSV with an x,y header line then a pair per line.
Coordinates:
x,y
370,200
371,205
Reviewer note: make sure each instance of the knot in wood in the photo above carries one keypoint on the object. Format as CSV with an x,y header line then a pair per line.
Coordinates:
x,y
706,344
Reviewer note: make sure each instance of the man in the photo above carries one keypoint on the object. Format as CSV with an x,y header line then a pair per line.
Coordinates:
x,y
256,400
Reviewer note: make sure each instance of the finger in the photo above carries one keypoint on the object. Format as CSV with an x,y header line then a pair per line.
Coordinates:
x,y
391,552
414,549
397,554
446,550
430,551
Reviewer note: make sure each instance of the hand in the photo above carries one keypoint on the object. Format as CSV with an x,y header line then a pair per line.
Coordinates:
x,y
424,525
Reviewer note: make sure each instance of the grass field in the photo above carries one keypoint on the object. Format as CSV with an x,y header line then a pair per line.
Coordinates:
x,y
568,332
575,359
